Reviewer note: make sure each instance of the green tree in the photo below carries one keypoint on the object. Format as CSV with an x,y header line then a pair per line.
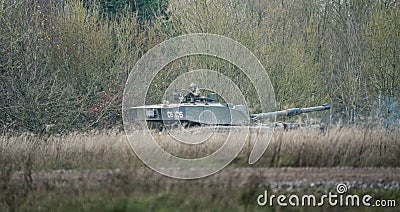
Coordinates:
x,y
145,9
383,40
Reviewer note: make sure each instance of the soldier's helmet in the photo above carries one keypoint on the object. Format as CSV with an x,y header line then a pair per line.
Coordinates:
x,y
193,87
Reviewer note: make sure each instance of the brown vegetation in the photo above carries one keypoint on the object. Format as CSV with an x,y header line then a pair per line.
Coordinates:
x,y
298,148
98,171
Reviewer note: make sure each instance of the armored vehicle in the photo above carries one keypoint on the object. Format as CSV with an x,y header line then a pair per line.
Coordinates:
x,y
195,109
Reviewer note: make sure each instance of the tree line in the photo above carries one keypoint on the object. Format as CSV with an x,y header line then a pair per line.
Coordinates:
x,y
63,65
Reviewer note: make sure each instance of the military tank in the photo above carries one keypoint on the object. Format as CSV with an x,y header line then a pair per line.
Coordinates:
x,y
193,109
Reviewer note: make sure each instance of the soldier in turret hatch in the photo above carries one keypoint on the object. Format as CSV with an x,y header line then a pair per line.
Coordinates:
x,y
194,93
195,90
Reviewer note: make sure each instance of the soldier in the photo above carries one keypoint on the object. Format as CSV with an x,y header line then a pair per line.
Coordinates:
x,y
194,92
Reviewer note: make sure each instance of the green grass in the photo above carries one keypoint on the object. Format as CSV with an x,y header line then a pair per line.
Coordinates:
x,y
191,198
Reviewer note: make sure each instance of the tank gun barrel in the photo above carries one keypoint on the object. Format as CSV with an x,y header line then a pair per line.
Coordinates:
x,y
288,112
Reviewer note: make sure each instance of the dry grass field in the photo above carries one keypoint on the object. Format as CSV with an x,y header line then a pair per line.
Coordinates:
x,y
99,171
297,148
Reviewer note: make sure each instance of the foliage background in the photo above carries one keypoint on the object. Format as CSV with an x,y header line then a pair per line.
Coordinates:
x,y
63,65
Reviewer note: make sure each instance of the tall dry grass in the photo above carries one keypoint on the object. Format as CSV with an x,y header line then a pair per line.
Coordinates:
x,y
337,147
108,150
140,191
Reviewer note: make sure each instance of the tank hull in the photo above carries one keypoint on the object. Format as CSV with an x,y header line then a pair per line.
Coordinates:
x,y
207,114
